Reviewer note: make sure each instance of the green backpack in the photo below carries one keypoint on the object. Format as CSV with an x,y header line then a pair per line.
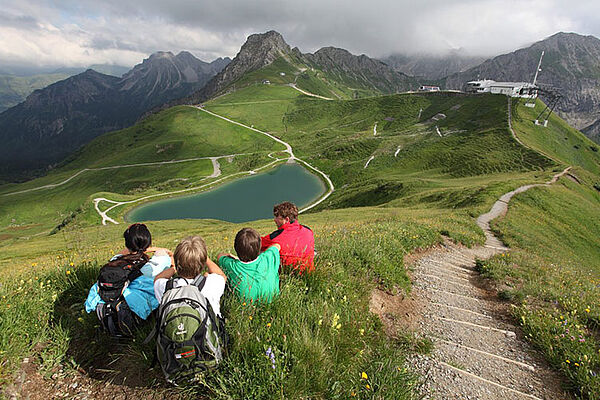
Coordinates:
x,y
191,339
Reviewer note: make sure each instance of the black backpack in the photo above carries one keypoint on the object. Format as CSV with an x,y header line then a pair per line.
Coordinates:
x,y
114,314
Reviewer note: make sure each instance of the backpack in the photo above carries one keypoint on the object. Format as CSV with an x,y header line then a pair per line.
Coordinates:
x,y
191,338
114,314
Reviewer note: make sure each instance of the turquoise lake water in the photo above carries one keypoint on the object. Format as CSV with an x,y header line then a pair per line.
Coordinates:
x,y
246,199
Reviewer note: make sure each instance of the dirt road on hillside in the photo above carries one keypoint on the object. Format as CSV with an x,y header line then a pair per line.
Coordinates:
x,y
479,353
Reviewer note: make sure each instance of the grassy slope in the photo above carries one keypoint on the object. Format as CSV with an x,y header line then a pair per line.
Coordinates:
x,y
553,271
334,338
561,142
176,134
440,183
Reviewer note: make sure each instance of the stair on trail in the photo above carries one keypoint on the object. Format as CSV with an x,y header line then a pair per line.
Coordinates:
x,y
476,353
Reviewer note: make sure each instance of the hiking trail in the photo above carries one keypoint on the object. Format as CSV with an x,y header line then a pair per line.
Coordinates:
x,y
478,351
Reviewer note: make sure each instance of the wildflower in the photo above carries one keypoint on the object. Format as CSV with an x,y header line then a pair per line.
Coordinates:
x,y
68,272
587,310
352,393
335,320
577,364
364,375
71,263
250,317
244,303
361,331
567,361
368,386
268,325
320,322
269,353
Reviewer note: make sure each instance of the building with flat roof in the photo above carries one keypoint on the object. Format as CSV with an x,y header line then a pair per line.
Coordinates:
x,y
513,89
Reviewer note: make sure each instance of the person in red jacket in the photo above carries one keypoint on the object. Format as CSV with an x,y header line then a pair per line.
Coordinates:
x,y
297,241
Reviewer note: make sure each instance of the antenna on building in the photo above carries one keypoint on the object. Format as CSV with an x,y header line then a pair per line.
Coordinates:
x,y
537,71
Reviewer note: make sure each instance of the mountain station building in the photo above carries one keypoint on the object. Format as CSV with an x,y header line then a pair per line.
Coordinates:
x,y
513,89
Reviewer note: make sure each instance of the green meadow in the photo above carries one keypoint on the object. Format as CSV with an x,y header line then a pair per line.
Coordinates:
x,y
437,161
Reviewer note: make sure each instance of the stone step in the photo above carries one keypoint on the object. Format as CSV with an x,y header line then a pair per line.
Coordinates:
x,y
478,316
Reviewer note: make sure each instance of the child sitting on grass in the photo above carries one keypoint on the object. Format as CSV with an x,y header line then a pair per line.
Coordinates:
x,y
137,295
253,276
188,261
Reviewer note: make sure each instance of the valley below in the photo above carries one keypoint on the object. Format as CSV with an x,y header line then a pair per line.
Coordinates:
x,y
417,291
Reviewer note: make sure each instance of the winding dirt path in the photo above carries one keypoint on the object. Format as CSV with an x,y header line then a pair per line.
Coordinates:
x,y
293,85
478,352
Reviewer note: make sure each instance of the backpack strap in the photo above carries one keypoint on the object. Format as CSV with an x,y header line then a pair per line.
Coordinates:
x,y
199,282
134,274
170,284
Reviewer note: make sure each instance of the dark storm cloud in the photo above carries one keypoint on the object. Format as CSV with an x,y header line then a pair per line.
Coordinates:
x,y
126,31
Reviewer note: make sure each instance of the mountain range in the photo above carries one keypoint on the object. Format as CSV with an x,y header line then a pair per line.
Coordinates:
x,y
334,66
53,122
433,67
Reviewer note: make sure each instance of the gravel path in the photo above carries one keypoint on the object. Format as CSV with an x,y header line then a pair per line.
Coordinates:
x,y
478,352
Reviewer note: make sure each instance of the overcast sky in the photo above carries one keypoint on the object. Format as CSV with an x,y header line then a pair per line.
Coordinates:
x,y
79,33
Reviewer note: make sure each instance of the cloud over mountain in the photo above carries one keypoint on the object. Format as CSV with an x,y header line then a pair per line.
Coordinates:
x,y
85,32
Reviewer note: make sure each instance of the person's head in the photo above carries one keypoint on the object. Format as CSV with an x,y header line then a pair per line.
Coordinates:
x,y
190,256
137,238
285,212
247,244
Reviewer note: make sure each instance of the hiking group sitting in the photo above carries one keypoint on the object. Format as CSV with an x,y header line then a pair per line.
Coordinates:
x,y
186,286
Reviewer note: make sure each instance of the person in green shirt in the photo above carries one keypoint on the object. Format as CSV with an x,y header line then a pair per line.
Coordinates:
x,y
252,275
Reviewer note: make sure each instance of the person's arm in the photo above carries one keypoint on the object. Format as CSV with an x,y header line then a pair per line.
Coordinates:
x,y
166,274
276,245
265,242
225,254
214,268
155,250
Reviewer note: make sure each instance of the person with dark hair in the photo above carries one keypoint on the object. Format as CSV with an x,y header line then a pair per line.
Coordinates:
x,y
297,241
252,275
137,288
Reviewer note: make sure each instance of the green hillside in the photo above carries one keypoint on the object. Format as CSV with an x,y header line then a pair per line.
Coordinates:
x,y
407,168
14,89
181,133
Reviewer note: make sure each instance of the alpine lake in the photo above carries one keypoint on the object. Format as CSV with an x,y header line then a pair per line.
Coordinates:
x,y
242,200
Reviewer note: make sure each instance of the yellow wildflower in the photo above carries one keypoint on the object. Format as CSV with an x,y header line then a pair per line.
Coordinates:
x,y
268,325
587,310
364,375
568,362
68,272
71,264
368,386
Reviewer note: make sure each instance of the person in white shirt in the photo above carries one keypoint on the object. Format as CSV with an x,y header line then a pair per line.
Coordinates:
x,y
188,261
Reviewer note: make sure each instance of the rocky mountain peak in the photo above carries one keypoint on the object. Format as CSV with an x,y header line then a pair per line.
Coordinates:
x,y
262,49
259,50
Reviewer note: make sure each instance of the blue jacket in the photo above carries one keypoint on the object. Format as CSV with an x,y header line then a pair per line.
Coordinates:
x,y
139,295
